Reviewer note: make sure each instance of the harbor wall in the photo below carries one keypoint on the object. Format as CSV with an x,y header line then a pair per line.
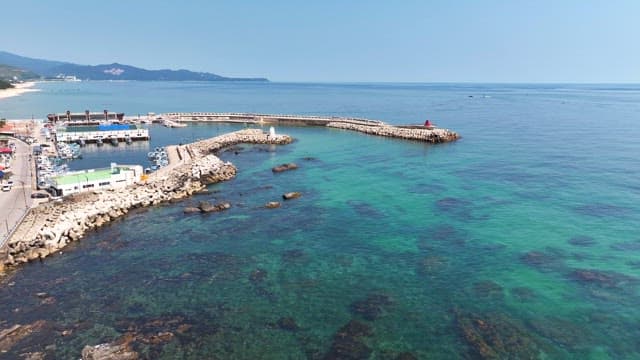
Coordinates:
x,y
419,134
368,126
51,226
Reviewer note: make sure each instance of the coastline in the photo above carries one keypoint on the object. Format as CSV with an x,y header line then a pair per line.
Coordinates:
x,y
18,90
49,227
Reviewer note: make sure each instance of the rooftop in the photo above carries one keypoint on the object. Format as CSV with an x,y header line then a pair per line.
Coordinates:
x,y
86,176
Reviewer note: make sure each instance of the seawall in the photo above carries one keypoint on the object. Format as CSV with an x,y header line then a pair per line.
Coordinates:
x,y
436,135
367,126
51,226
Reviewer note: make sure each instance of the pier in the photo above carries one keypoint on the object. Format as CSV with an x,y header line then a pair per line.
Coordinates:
x,y
367,126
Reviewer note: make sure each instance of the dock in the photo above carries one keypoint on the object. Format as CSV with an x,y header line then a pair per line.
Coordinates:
x,y
101,133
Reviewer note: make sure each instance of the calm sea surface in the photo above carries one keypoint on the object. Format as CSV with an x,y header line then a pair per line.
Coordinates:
x,y
521,238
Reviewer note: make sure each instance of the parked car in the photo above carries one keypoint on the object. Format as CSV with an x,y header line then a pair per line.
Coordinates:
x,y
6,187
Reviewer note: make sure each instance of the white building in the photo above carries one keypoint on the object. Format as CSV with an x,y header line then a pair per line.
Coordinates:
x,y
117,176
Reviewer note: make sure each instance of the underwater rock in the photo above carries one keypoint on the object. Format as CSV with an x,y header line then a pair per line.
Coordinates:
x,y
272,205
523,294
191,210
291,195
348,342
406,356
445,234
429,265
284,167
627,246
292,255
14,334
455,207
33,356
257,276
287,323
566,333
496,337
371,307
582,241
365,209
603,210
110,351
543,261
605,279
488,289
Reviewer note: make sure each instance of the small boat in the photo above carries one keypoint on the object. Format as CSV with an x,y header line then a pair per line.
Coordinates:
x,y
114,141
99,142
128,140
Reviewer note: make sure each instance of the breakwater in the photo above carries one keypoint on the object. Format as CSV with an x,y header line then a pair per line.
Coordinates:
x,y
51,226
436,135
367,126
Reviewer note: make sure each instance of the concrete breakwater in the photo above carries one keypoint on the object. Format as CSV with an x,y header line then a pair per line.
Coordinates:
x,y
436,135
368,126
51,226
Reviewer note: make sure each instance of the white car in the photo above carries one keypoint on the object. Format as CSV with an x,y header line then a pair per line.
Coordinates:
x,y
6,187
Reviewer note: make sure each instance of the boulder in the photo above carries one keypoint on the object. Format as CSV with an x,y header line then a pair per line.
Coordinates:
x,y
207,207
272,205
191,210
284,167
109,352
291,195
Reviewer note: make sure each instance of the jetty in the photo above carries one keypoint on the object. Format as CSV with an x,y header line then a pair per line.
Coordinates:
x,y
372,127
50,226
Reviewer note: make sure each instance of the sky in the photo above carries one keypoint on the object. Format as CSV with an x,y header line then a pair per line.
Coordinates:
x,y
340,41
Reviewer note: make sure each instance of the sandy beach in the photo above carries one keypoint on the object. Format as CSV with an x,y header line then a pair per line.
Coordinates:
x,y
18,89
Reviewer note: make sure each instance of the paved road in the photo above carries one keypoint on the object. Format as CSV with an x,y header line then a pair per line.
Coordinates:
x,y
14,203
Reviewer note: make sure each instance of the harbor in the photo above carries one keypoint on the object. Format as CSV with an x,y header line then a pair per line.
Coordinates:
x,y
51,226
193,163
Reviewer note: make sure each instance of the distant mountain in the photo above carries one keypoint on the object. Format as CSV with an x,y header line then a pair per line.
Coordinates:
x,y
115,71
12,73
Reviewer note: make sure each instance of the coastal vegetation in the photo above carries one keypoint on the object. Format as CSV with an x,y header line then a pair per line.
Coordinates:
x,y
12,73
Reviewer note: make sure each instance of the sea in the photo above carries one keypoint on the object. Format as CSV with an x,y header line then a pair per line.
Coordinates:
x,y
520,240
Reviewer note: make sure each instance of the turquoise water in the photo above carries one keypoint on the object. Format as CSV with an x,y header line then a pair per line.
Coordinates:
x,y
520,238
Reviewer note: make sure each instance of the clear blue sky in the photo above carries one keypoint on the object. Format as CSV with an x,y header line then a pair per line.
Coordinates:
x,y
331,40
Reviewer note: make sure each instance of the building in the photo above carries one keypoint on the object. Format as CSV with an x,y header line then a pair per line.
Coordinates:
x,y
102,132
117,176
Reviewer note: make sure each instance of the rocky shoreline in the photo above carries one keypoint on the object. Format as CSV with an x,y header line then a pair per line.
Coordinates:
x,y
51,226
435,136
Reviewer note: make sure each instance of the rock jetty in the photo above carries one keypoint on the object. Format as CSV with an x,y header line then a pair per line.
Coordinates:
x,y
436,135
51,226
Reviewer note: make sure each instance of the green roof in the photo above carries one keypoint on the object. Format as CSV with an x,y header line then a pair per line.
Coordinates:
x,y
97,175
